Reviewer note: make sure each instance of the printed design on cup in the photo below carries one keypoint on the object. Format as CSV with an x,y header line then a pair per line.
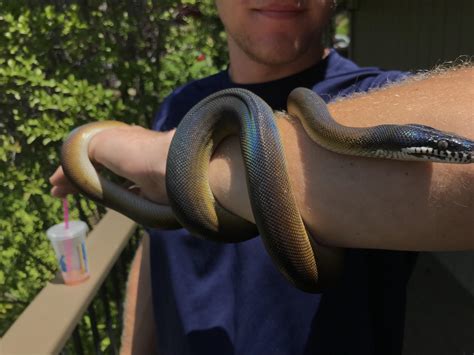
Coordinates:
x,y
81,249
62,264
69,251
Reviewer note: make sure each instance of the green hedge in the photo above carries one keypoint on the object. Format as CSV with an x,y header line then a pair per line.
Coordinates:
x,y
64,63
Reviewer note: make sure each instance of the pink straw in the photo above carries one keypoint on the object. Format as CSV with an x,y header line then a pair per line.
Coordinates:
x,y
66,213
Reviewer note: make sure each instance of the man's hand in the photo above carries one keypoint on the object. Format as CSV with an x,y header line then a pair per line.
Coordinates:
x,y
134,153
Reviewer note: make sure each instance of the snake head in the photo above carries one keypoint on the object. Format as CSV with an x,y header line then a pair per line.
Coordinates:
x,y
427,143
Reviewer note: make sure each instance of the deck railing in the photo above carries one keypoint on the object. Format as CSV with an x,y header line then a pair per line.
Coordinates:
x,y
84,318
87,318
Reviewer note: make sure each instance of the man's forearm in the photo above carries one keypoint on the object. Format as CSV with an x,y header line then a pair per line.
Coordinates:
x,y
373,203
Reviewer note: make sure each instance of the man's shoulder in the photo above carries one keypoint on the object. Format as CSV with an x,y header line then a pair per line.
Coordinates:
x,y
199,87
183,98
344,77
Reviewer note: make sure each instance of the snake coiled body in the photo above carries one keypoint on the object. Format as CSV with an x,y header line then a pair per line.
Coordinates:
x,y
305,263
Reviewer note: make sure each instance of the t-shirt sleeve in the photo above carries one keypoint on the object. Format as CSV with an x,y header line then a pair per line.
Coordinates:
x,y
178,103
343,78
159,121
377,81
364,80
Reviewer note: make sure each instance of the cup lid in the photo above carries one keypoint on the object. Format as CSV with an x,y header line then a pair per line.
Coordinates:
x,y
60,232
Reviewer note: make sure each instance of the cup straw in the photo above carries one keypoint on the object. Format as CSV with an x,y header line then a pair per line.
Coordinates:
x,y
66,213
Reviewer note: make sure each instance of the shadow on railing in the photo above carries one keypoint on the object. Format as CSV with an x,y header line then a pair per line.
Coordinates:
x,y
86,318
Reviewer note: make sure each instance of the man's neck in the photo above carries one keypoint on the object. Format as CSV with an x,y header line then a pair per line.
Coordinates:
x,y
246,70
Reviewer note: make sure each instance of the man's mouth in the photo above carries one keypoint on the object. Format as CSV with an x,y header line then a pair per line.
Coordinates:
x,y
280,11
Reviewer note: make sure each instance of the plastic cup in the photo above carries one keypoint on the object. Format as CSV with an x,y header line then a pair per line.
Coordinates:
x,y
70,247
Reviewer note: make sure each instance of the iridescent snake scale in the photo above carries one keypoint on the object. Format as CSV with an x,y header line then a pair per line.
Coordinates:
x,y
305,263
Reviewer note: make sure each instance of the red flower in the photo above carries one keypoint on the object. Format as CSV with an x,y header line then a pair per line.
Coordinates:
x,y
200,57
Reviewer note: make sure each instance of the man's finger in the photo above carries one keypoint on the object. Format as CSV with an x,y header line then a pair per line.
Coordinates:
x,y
61,184
62,191
58,177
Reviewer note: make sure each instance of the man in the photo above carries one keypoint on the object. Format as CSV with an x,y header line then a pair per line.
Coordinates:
x,y
229,299
225,299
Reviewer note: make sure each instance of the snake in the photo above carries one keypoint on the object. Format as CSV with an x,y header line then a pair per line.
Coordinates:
x,y
302,260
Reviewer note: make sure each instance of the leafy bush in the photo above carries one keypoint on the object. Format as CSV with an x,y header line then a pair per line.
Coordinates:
x,y
64,63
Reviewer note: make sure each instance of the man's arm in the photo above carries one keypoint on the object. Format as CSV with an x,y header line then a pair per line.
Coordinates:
x,y
372,203
345,201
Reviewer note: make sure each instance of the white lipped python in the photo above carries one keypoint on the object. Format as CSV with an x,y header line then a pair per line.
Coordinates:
x,y
305,263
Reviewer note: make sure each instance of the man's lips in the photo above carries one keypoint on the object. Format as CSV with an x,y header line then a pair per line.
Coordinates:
x,y
280,11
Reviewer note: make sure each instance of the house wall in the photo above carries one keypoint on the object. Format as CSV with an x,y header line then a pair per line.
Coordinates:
x,y
411,34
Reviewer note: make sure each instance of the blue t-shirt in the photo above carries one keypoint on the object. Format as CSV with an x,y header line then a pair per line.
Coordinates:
x,y
212,298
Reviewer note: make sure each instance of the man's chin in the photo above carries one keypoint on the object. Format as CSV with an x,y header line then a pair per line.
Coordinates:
x,y
275,57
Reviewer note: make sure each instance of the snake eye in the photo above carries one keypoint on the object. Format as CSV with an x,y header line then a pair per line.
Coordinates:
x,y
443,144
